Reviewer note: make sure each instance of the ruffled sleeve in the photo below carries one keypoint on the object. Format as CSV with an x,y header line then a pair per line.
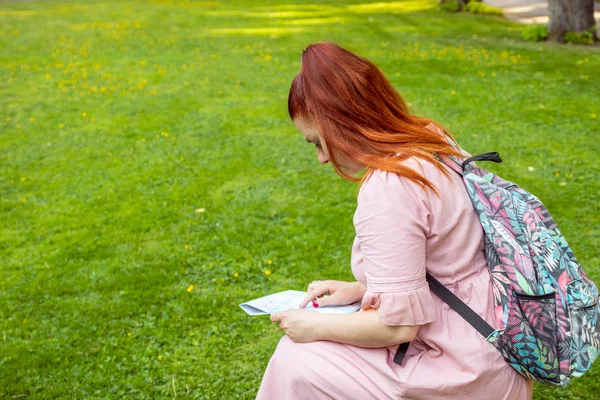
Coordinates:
x,y
392,224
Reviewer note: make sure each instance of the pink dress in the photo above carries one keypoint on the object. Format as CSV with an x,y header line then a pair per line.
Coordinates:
x,y
402,230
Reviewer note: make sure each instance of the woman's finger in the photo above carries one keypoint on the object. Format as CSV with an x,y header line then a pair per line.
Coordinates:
x,y
312,295
276,317
331,300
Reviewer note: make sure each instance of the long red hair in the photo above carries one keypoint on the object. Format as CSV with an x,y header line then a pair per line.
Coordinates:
x,y
360,115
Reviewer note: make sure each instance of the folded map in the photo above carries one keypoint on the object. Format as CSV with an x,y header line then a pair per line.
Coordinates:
x,y
290,300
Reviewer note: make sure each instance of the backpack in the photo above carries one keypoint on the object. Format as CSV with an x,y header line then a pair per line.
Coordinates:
x,y
546,306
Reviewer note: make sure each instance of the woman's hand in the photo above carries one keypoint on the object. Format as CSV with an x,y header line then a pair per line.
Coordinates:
x,y
340,293
302,326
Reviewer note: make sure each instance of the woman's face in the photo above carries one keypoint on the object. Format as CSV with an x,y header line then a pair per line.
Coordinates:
x,y
311,134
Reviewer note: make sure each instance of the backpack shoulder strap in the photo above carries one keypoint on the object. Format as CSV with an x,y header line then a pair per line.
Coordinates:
x,y
438,288
457,305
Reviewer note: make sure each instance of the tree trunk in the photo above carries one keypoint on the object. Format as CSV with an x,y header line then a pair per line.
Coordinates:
x,y
570,16
462,3
583,16
558,25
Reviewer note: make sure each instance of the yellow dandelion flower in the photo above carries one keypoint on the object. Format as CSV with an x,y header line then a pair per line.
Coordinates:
x,y
190,288
23,179
61,126
24,199
18,126
31,119
93,119
159,357
84,115
268,272
453,93
557,173
187,246
235,274
143,139
268,57
593,115
128,333
570,175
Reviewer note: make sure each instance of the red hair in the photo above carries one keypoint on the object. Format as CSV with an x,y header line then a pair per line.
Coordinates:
x,y
360,115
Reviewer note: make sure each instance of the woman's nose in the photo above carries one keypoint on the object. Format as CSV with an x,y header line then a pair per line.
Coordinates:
x,y
323,159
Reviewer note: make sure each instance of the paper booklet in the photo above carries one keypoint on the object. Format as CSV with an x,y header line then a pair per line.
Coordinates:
x,y
290,300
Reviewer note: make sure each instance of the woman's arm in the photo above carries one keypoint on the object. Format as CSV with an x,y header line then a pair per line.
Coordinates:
x,y
364,329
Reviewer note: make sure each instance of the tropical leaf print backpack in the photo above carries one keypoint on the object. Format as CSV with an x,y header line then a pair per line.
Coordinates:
x,y
546,306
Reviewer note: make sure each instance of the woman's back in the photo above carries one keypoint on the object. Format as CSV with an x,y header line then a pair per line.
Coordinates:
x,y
440,234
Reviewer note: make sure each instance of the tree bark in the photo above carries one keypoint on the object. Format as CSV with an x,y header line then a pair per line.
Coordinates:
x,y
558,25
463,3
570,16
583,15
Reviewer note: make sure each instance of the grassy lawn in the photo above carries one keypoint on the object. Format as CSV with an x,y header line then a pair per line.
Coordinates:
x,y
150,178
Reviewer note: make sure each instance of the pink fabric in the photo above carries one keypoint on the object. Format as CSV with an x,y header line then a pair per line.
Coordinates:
x,y
401,231
413,307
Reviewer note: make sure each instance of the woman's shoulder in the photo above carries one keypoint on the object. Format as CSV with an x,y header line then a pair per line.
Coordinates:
x,y
422,166
381,185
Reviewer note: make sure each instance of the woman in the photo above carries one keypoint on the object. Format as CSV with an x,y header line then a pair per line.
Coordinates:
x,y
413,214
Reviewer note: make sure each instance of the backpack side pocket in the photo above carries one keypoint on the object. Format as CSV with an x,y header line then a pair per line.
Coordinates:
x,y
529,342
584,311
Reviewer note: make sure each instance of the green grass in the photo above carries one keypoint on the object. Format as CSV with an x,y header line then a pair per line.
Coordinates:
x,y
119,119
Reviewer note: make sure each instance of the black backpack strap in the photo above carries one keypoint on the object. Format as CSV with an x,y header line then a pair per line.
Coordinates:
x,y
493,156
457,305
460,165
401,352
